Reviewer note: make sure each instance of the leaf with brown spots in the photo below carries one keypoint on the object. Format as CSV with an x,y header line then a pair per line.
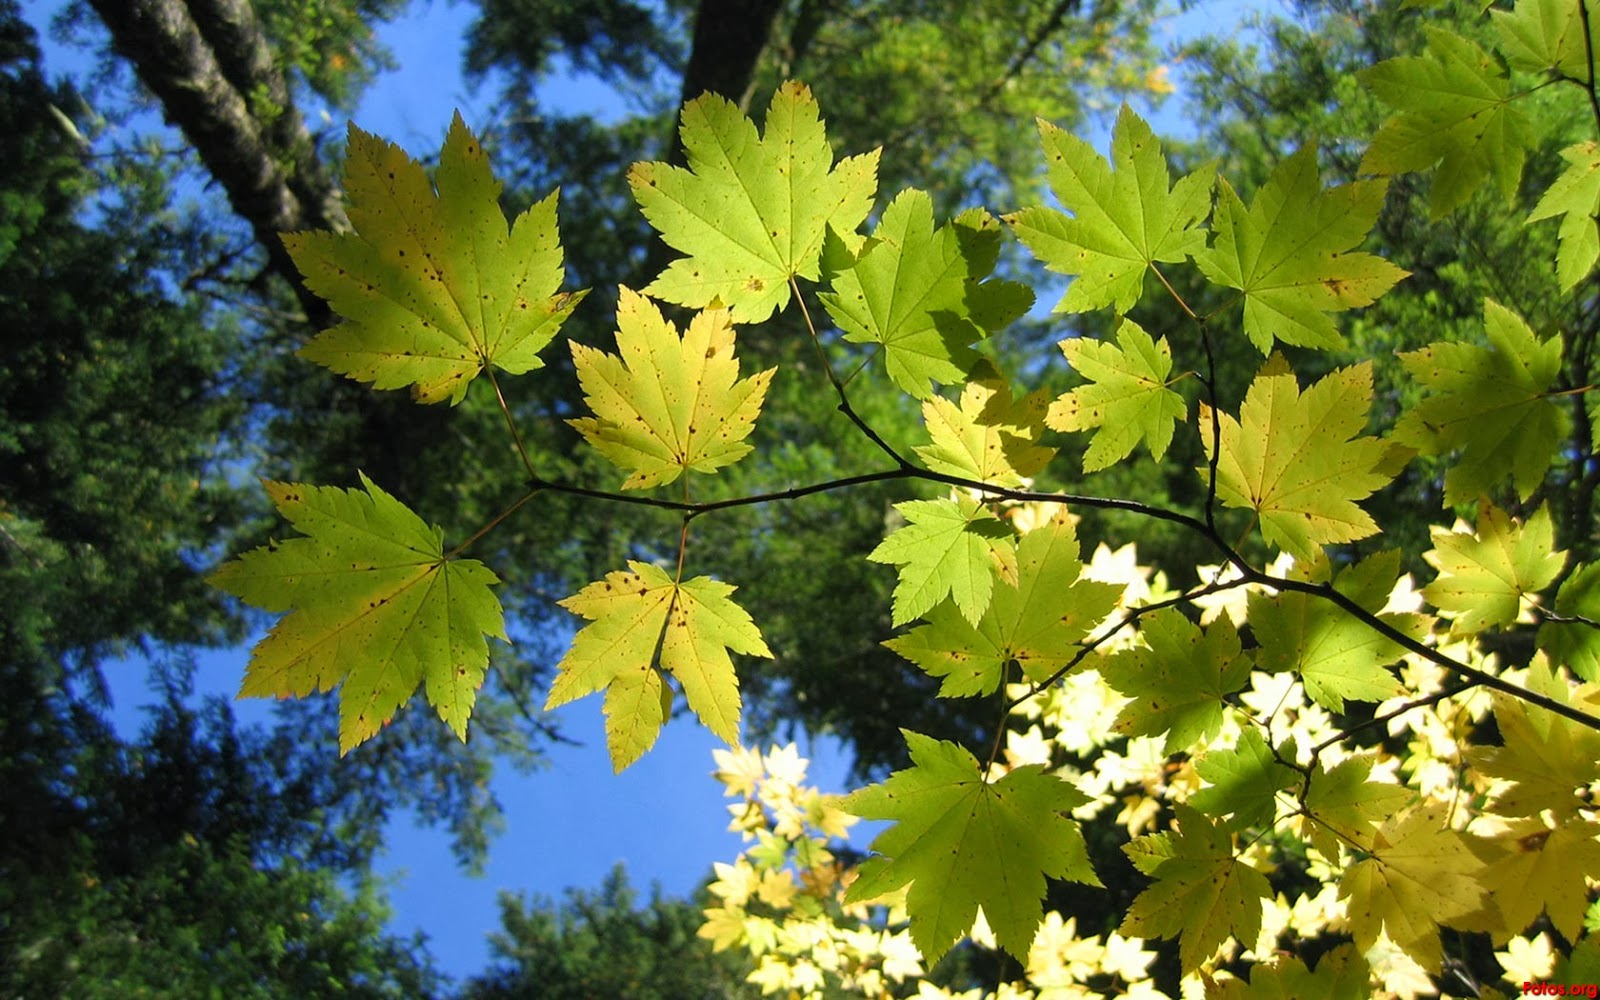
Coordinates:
x,y
1292,256
1297,460
666,404
431,285
642,624
752,210
373,604
1127,399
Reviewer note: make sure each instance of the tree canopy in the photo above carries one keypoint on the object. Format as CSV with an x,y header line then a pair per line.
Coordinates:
x,y
1248,651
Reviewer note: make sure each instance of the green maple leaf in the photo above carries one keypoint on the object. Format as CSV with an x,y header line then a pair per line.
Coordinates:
x,y
1453,108
1492,405
1342,974
919,292
668,404
1245,781
1483,577
1202,891
1337,656
1575,196
1177,679
1345,805
1420,874
1546,757
642,623
751,210
962,842
1291,253
1295,458
1533,871
1124,219
374,606
1127,399
1576,645
1036,623
1540,35
949,548
988,437
431,285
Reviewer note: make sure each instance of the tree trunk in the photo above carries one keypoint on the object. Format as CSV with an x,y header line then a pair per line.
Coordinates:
x,y
200,59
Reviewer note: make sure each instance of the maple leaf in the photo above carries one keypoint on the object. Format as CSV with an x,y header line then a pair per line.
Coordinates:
x,y
1295,460
1539,35
641,623
1341,974
988,437
1336,655
962,842
1202,891
1546,757
1124,219
751,210
1245,781
949,547
1177,679
1576,644
1484,576
431,285
1345,804
1492,405
1035,623
374,606
1575,196
1453,108
1127,399
1420,874
1533,869
919,292
665,405
1291,253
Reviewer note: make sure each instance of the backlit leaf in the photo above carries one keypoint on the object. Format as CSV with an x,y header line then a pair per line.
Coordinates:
x,y
1124,216
374,606
1453,107
1177,678
431,285
962,842
1575,196
1127,399
920,293
1035,623
1297,461
668,404
1203,892
642,623
988,437
1419,875
1490,405
1337,656
1292,253
949,548
751,210
1483,576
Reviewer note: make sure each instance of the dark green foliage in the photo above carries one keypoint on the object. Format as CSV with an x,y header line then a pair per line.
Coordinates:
x,y
604,944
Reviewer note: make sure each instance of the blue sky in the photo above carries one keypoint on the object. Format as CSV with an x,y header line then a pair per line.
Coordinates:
x,y
568,824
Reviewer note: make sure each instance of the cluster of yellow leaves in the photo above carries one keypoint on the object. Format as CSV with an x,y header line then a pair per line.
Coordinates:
x,y
1441,834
